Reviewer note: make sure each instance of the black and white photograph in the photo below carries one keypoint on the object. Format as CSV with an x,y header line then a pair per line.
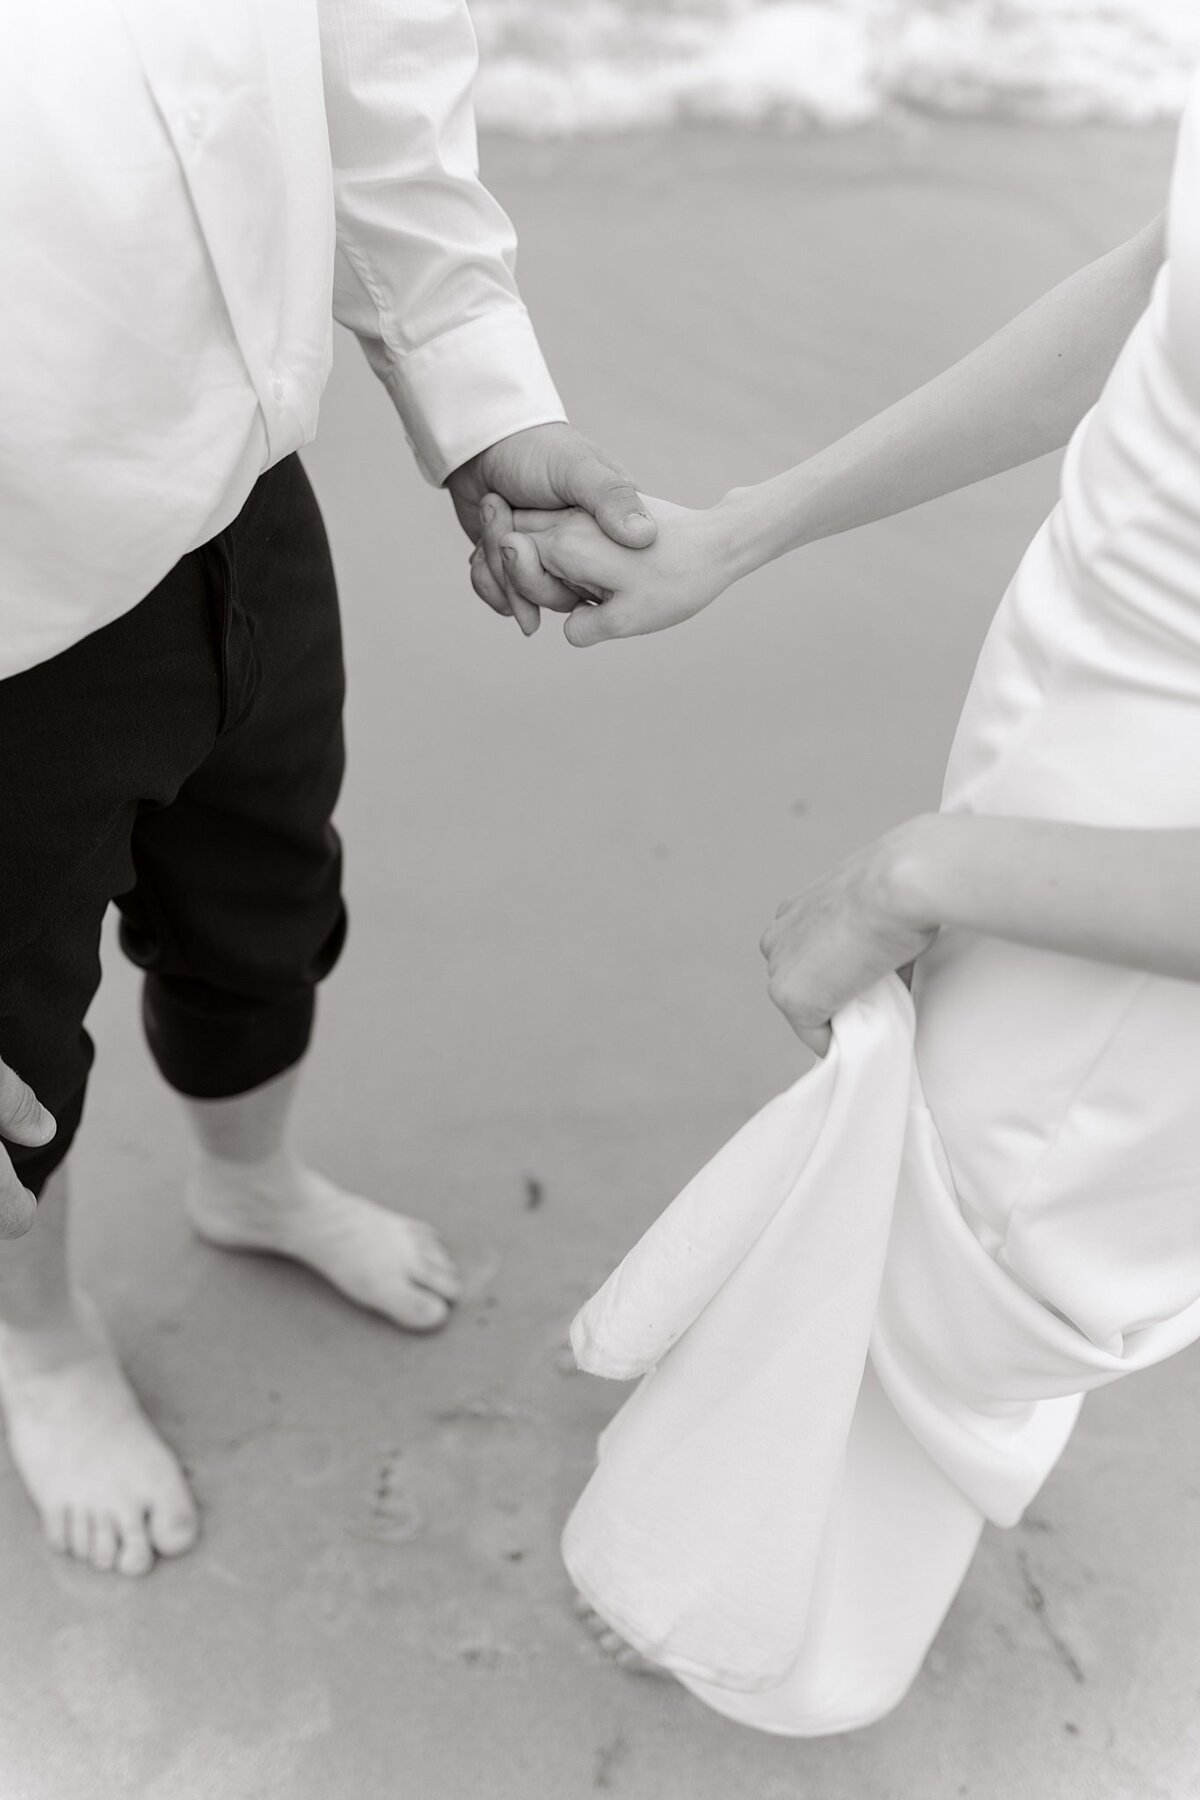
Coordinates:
x,y
599,899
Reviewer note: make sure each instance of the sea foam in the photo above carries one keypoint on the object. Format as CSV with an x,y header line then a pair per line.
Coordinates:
x,y
557,67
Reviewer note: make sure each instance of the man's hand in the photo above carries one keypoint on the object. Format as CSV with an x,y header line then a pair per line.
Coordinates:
x,y
548,467
23,1120
844,932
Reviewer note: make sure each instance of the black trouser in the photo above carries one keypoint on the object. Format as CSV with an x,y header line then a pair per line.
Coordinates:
x,y
183,762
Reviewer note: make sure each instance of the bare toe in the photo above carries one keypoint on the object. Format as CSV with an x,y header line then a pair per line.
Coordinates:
x,y
105,1543
54,1524
79,1533
435,1270
174,1526
417,1309
613,1644
135,1557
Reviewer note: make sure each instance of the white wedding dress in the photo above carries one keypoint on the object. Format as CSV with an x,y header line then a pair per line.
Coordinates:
x,y
867,1326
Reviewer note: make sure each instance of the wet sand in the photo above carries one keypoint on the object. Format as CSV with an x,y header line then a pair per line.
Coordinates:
x,y
551,1010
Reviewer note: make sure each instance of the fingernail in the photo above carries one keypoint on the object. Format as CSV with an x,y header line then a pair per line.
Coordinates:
x,y
638,517
487,512
509,553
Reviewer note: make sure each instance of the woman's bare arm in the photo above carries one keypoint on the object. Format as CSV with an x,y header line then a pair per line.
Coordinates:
x,y
1017,396
1115,895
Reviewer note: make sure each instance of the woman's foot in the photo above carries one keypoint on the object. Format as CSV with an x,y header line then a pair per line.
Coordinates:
x,y
108,1490
378,1259
614,1645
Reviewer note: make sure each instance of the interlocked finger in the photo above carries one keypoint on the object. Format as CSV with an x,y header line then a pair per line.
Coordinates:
x,y
496,520
527,578
485,586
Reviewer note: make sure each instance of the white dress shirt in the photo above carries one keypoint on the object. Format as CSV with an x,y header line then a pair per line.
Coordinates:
x,y
192,192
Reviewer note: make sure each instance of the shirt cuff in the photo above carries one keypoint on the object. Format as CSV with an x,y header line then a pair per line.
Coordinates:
x,y
470,387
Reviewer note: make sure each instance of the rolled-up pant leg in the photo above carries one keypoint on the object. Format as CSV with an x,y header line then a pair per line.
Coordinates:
x,y
87,739
184,761
236,910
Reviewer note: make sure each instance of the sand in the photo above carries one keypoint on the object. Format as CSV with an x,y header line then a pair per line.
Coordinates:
x,y
550,1012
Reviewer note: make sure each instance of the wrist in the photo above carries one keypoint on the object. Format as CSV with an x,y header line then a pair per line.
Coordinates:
x,y
916,870
766,521
727,527
743,542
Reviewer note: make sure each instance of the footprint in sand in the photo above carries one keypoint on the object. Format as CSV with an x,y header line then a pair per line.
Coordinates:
x,y
393,1513
472,1641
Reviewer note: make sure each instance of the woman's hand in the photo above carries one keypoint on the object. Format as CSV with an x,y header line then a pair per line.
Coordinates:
x,y
843,932
552,559
1116,894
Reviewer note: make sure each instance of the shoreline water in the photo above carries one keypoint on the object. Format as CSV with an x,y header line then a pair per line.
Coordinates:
x,y
597,67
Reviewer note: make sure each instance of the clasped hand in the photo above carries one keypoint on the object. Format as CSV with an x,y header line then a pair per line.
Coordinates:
x,y
563,562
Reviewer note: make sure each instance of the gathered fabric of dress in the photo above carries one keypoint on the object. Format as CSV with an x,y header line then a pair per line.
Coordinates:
x,y
868,1325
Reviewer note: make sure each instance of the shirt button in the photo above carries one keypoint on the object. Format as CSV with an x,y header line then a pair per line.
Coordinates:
x,y
277,387
193,121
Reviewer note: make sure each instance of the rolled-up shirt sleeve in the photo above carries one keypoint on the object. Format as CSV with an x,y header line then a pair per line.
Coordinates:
x,y
425,255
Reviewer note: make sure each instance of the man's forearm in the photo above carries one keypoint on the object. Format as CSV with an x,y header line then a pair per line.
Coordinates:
x,y
1119,896
424,270
1014,398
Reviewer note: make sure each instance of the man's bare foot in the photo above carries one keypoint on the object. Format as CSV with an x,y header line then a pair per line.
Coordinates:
x,y
378,1259
107,1488
614,1645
